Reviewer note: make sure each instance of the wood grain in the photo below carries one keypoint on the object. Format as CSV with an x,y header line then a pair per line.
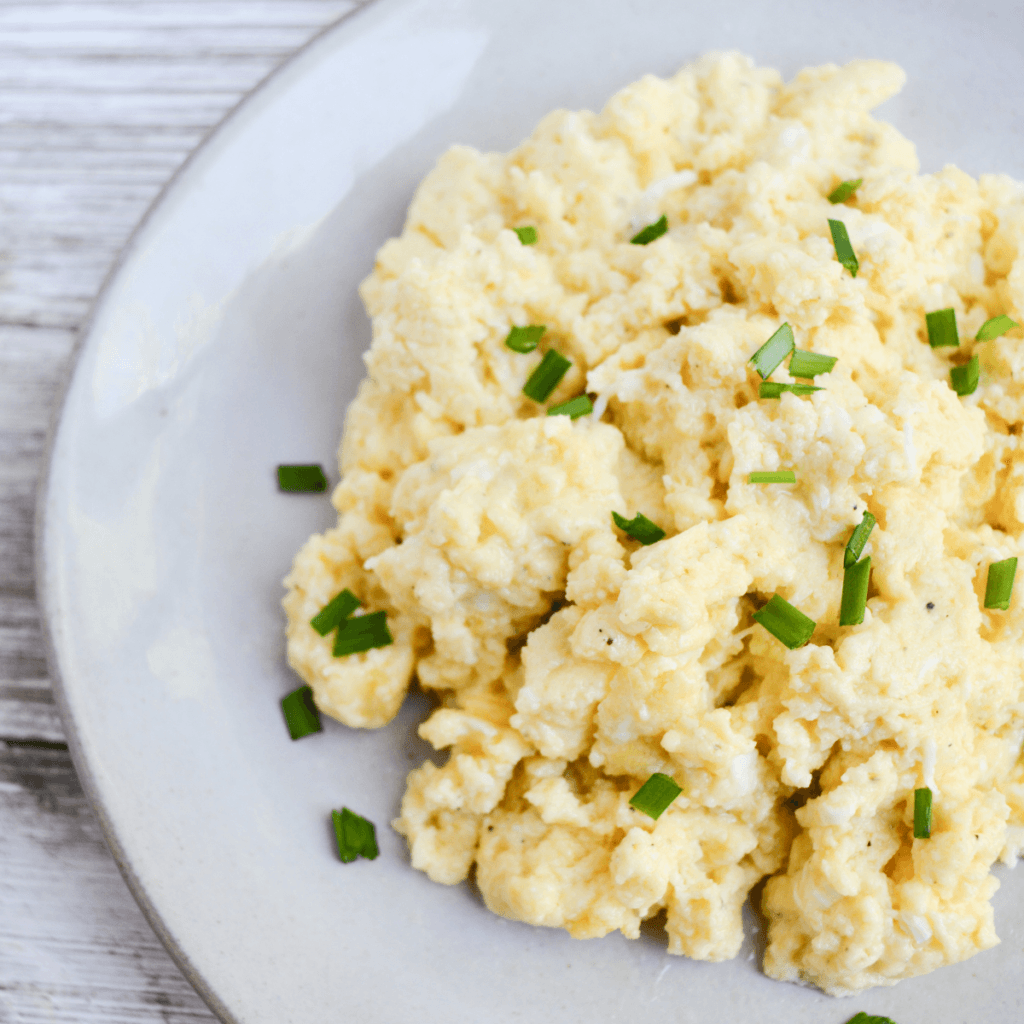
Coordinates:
x,y
100,102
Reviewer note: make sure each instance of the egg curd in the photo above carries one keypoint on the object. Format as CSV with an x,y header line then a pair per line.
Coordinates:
x,y
571,662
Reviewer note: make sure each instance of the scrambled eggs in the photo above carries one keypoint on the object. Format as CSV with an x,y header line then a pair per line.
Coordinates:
x,y
569,661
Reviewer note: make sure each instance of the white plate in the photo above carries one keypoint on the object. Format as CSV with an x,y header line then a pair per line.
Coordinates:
x,y
229,341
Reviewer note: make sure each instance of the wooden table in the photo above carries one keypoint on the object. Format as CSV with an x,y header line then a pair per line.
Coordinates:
x,y
100,102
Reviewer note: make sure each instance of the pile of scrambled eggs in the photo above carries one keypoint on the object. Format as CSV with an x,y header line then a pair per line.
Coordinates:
x,y
570,662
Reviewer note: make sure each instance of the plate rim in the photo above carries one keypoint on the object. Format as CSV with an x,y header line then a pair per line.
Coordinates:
x,y
40,561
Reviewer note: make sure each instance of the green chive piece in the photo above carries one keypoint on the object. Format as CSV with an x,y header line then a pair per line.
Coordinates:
x,y
362,633
844,190
785,622
769,356
942,331
992,329
300,713
964,379
855,593
525,339
527,235
844,251
301,478
863,1018
923,813
810,364
574,408
859,537
335,612
999,585
651,232
356,837
780,476
546,376
639,528
771,389
654,796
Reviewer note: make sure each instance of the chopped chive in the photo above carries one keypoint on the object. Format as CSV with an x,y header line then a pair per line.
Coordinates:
x,y
844,190
525,339
863,1018
546,376
769,356
301,478
771,389
785,622
942,331
844,251
300,713
651,232
527,235
780,476
574,408
999,585
964,379
855,593
859,537
923,813
336,611
362,633
810,364
355,836
639,528
992,329
654,796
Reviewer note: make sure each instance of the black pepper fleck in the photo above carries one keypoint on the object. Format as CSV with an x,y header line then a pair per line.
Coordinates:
x,y
930,605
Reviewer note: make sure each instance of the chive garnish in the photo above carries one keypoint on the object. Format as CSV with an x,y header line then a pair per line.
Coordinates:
x,y
301,478
785,622
844,251
574,408
923,813
336,611
779,476
546,376
769,356
300,713
863,1018
810,364
992,329
999,585
771,389
942,331
855,593
654,796
362,633
859,537
651,232
525,339
527,235
844,190
964,379
639,528
355,836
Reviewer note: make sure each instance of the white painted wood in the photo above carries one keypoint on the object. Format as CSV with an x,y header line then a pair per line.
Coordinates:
x,y
100,102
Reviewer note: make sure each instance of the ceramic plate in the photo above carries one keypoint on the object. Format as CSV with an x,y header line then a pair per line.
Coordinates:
x,y
228,341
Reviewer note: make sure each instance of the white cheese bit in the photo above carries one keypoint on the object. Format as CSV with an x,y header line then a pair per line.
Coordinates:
x,y
744,771
646,206
835,813
928,764
917,926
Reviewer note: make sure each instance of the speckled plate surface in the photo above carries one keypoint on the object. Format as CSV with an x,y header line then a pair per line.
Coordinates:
x,y
227,341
